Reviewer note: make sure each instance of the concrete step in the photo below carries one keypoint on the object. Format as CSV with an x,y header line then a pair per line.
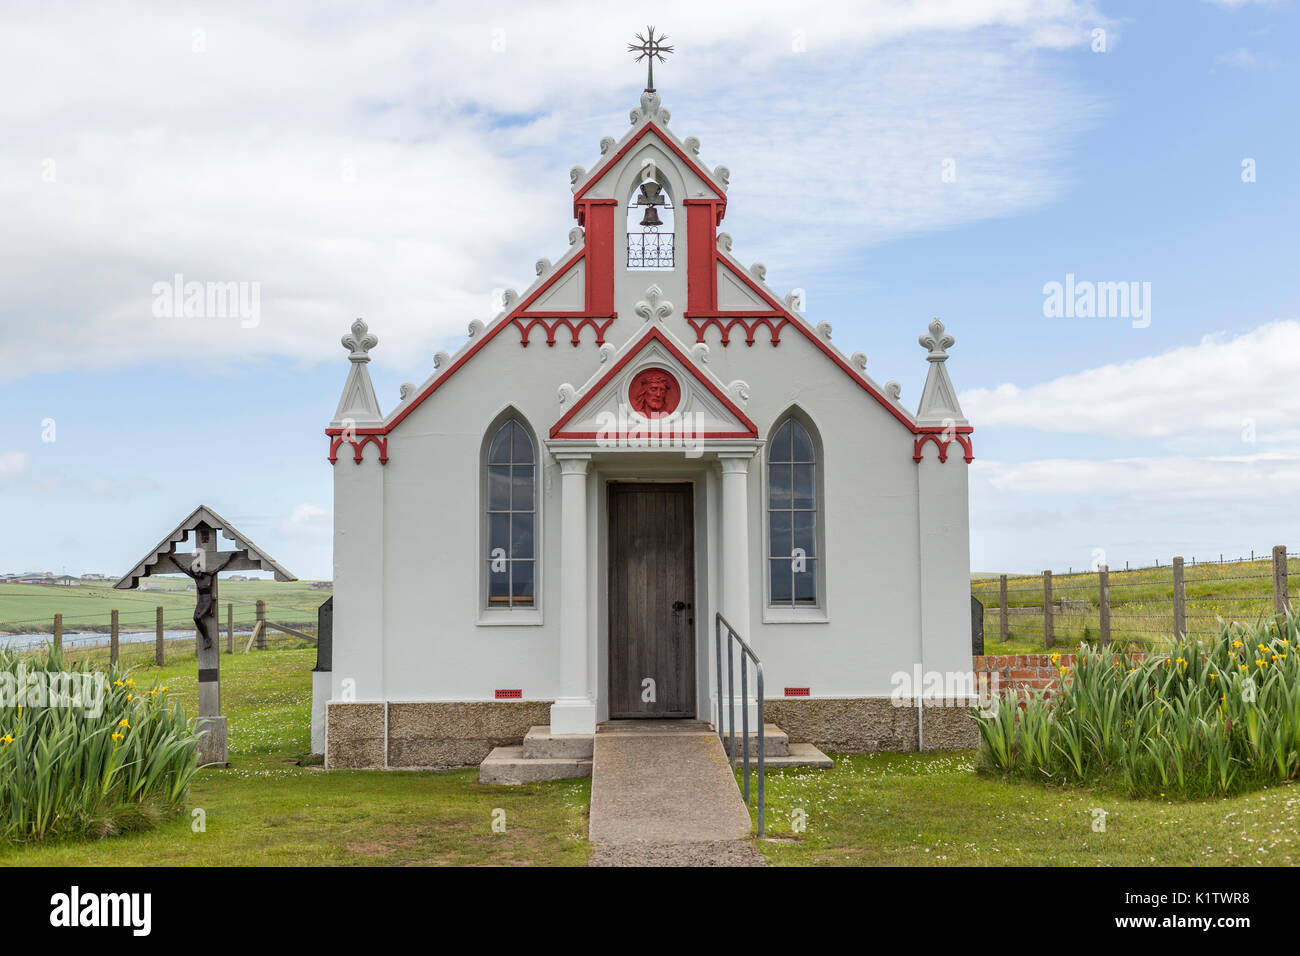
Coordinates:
x,y
776,743
798,755
510,765
540,743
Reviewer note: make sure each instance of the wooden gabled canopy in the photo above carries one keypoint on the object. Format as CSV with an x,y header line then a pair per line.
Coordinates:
x,y
165,560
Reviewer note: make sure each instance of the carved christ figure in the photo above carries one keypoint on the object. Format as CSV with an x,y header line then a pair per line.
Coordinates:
x,y
651,398
204,570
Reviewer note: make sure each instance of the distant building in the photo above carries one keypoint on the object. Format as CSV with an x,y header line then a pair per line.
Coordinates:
x,y
323,585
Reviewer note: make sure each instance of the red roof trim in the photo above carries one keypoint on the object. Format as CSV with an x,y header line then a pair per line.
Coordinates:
x,y
667,141
507,321
812,336
654,336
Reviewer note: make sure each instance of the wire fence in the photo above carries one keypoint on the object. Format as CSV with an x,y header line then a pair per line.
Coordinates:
x,y
1145,607
170,638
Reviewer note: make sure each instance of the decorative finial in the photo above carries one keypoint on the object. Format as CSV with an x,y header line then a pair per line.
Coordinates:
x,y
359,341
650,48
937,341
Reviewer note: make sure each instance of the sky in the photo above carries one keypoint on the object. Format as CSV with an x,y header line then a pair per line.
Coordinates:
x,y
896,161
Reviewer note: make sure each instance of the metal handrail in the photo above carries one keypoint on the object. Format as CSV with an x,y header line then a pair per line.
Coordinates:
x,y
746,651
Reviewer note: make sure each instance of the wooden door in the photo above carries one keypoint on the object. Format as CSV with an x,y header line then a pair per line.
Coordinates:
x,y
651,600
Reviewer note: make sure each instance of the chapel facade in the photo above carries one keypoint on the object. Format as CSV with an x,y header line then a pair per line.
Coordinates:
x,y
544,531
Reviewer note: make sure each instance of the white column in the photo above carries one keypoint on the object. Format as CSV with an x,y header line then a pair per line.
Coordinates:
x,y
734,566
574,710
735,541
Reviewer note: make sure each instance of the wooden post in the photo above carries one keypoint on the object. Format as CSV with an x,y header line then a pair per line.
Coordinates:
x,y
159,648
1004,631
1180,601
58,632
112,639
1049,635
1103,577
261,619
1280,602
230,628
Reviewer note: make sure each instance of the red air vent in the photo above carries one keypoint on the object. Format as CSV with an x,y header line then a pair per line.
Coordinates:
x,y
509,694
798,691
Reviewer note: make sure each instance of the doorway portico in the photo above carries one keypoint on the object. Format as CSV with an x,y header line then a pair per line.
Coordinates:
x,y
703,497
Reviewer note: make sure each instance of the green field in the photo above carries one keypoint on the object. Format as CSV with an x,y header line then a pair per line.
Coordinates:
x,y
30,608
1141,604
900,809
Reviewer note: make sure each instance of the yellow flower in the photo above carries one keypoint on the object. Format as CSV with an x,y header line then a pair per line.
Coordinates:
x,y
124,723
130,697
118,682
119,736
1212,676
130,683
7,739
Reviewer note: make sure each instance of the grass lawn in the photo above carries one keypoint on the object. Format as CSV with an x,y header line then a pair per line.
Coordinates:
x,y
933,810
30,608
264,810
897,809
1141,603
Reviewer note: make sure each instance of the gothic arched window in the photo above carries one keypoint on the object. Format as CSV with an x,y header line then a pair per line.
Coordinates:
x,y
511,517
793,533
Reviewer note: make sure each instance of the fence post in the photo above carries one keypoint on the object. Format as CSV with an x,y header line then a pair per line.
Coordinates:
x,y
1049,634
1004,632
58,632
1103,577
230,628
112,639
261,619
1180,601
1279,579
159,647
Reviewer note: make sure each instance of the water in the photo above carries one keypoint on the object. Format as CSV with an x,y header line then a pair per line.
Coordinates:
x,y
95,639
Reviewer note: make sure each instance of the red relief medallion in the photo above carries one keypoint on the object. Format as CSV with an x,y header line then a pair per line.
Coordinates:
x,y
654,393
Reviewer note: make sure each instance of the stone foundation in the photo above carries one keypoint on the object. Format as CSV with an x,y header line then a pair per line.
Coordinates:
x,y
435,735
869,724
426,734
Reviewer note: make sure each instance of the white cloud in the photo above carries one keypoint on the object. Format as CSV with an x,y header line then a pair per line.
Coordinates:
x,y
12,463
1219,478
229,164
1243,385
1243,58
306,521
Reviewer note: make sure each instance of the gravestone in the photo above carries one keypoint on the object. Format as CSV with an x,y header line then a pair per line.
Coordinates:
x,y
976,625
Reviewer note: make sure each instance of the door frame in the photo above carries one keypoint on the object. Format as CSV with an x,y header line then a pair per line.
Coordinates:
x,y
689,692
618,468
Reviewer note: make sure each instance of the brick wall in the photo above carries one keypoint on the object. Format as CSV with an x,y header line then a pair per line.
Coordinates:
x,y
1026,671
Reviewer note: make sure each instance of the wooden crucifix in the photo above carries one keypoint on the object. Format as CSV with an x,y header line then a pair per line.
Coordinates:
x,y
202,566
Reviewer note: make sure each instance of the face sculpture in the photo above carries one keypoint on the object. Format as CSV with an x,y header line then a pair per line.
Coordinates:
x,y
654,394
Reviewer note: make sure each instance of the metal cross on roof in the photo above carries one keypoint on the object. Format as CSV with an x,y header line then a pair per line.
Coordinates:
x,y
650,48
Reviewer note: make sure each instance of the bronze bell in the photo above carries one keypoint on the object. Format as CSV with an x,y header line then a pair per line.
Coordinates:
x,y
651,194
651,217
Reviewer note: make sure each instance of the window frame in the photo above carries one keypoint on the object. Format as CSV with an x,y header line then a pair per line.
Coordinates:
x,y
513,615
788,612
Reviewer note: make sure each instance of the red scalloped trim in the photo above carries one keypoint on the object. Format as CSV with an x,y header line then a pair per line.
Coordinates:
x,y
962,438
551,325
380,441
749,324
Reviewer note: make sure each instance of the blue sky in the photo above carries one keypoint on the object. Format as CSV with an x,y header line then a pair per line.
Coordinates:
x,y
402,163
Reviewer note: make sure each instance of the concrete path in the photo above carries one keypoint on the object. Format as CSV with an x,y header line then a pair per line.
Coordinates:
x,y
663,794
